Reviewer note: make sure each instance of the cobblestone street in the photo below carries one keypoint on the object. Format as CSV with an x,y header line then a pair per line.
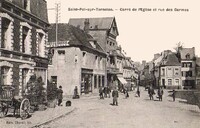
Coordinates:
x,y
133,112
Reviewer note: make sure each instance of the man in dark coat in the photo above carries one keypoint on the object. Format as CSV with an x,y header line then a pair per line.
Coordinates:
x,y
108,91
115,96
60,95
151,93
173,95
101,92
160,94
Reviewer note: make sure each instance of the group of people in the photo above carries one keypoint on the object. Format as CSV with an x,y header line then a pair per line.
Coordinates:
x,y
104,92
151,93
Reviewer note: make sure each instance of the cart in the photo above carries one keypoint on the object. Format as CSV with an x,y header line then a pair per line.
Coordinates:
x,y
9,101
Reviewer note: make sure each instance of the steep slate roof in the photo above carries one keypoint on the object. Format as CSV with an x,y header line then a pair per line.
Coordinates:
x,y
101,23
185,51
75,36
172,60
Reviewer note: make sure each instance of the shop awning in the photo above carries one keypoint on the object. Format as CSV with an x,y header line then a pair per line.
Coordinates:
x,y
122,80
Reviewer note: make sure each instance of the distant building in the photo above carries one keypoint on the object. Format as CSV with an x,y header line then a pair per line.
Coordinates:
x,y
198,73
170,72
77,60
23,36
188,62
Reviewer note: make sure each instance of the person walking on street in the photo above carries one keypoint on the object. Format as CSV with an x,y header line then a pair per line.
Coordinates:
x,y
105,92
173,95
115,96
108,91
160,93
76,95
151,93
101,92
138,92
60,95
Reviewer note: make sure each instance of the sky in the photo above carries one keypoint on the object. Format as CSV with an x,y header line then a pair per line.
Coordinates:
x,y
141,34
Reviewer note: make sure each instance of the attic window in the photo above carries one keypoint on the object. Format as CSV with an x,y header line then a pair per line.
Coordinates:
x,y
187,56
61,52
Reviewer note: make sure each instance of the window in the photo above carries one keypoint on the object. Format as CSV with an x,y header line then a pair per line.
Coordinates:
x,y
61,52
163,71
169,68
169,81
187,56
176,81
40,44
25,39
96,61
5,32
176,71
4,75
24,78
189,74
84,58
110,43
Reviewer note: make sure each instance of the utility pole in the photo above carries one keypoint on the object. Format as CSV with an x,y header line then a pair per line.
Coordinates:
x,y
57,17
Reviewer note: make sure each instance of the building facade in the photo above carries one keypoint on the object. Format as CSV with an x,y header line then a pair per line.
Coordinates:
x,y
23,36
188,62
170,72
77,60
104,31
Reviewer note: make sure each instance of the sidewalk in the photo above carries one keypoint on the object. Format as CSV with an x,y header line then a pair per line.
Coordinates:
x,y
37,118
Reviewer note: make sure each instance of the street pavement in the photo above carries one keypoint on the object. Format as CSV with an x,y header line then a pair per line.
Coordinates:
x,y
133,112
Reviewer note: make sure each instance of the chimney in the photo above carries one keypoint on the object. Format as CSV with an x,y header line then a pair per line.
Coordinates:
x,y
86,25
156,56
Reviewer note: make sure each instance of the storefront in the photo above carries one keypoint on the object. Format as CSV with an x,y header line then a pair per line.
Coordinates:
x,y
86,80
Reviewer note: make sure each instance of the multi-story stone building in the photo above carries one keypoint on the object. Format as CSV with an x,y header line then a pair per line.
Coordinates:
x,y
129,72
105,31
170,72
23,35
188,62
77,60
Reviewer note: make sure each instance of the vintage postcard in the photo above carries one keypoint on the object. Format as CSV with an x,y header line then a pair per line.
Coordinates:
x,y
99,64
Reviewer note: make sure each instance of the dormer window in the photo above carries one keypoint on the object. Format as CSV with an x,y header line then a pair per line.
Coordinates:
x,y
27,5
187,56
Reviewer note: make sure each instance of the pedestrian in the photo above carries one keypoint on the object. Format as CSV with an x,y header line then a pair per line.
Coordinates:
x,y
101,92
151,93
76,95
138,92
160,93
126,93
115,96
173,95
60,95
108,91
105,92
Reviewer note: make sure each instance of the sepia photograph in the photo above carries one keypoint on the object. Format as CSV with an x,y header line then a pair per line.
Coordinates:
x,y
99,64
